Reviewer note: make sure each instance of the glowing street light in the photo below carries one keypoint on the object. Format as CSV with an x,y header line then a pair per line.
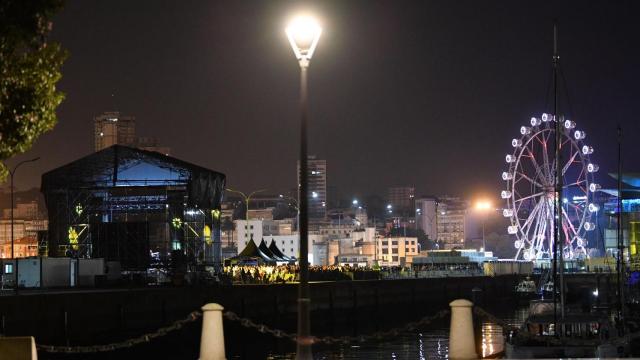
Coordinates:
x,y
355,202
303,33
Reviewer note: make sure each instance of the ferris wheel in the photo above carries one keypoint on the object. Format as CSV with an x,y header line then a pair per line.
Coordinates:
x,y
531,195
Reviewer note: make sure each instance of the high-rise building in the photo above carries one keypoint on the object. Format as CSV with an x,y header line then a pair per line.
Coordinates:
x,y
401,198
451,222
112,128
317,187
426,216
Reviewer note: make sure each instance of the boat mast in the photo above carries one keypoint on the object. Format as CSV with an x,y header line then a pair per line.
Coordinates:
x,y
619,233
558,238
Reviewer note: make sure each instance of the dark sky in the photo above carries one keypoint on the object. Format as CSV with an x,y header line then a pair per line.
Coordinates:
x,y
428,93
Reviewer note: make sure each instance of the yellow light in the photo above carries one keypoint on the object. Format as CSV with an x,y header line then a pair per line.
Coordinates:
x,y
303,33
207,234
483,205
73,238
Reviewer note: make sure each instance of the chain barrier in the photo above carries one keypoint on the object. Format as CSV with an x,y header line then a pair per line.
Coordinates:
x,y
122,344
247,323
329,340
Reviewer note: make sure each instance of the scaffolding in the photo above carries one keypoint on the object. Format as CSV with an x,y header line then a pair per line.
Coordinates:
x,y
127,196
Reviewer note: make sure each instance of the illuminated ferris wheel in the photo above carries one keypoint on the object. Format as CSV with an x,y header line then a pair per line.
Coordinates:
x,y
531,195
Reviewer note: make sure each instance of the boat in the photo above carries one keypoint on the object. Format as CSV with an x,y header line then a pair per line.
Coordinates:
x,y
526,290
582,335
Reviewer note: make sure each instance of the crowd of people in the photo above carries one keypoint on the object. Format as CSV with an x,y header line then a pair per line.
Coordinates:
x,y
275,274
279,274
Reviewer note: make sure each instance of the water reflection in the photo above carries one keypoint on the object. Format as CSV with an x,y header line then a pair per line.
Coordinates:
x,y
430,343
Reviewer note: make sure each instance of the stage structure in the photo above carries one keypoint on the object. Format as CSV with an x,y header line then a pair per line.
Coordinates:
x,y
134,206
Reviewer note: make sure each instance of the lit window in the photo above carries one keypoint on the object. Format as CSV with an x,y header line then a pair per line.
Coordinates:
x,y
8,268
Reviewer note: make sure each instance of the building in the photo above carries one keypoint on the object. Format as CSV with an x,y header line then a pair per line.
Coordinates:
x,y
451,213
337,231
113,128
25,232
257,230
261,214
288,244
24,211
396,251
401,198
247,230
317,189
426,216
22,247
630,216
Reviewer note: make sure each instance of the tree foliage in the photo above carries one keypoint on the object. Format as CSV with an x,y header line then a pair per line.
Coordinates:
x,y
30,67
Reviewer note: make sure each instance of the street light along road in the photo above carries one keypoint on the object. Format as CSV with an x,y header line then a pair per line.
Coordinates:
x,y
303,33
247,198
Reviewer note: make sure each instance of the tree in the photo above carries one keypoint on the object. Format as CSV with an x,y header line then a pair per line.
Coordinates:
x,y
29,70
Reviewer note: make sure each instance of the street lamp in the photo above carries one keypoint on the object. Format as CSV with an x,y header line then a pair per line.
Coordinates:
x,y
484,206
247,198
11,173
303,33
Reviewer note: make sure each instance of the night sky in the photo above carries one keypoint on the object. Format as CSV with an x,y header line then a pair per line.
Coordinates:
x,y
424,93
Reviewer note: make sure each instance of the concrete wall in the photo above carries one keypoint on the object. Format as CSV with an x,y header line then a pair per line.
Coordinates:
x,y
103,314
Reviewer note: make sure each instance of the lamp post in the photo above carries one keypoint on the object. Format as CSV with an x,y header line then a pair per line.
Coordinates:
x,y
11,173
303,34
484,206
247,198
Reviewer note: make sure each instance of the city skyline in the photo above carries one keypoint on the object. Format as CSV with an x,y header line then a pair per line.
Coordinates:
x,y
449,105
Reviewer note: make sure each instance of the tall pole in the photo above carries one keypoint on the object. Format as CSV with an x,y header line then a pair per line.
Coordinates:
x,y
557,223
12,173
12,256
303,351
619,231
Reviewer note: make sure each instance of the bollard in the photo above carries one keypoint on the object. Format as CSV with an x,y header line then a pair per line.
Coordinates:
x,y
18,348
212,337
462,344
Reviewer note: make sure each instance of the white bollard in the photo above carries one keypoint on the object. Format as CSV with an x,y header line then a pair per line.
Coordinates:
x,y
462,342
18,348
212,337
